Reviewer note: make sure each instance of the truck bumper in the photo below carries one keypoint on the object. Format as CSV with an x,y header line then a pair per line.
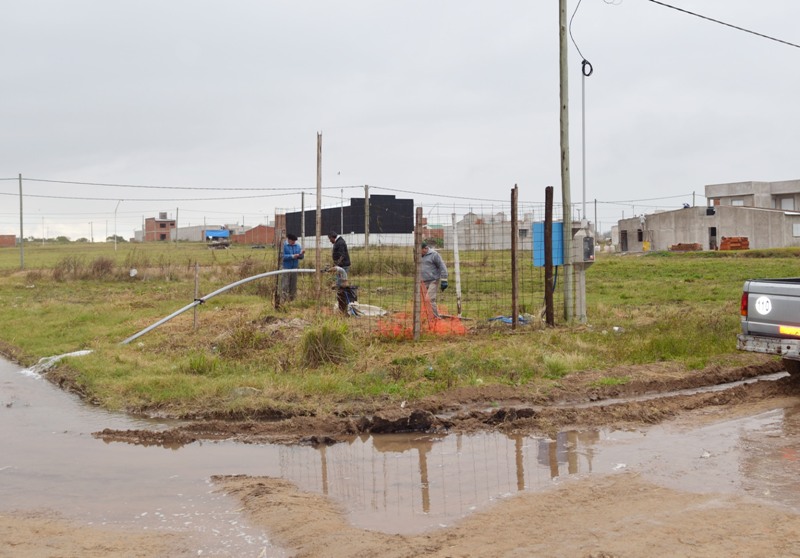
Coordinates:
x,y
787,348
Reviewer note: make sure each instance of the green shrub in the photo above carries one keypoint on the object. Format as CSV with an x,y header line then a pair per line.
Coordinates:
x,y
242,340
200,364
327,343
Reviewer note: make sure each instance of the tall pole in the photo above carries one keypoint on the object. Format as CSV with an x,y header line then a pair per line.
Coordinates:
x,y
416,311
115,225
548,256
456,262
583,143
566,202
366,220
318,251
514,276
341,215
21,237
177,209
303,217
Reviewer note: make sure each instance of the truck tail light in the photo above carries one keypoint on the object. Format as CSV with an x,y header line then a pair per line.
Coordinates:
x,y
743,305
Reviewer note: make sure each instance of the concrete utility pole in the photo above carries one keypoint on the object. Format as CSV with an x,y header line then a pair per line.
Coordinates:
x,y
566,202
21,237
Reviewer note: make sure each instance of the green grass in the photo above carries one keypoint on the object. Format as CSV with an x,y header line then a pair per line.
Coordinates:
x,y
246,358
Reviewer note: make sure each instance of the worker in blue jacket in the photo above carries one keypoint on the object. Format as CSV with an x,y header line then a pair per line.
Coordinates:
x,y
292,254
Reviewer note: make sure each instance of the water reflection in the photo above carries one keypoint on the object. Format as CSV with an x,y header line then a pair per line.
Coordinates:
x,y
412,482
392,483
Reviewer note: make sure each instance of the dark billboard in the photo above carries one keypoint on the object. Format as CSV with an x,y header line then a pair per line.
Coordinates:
x,y
387,214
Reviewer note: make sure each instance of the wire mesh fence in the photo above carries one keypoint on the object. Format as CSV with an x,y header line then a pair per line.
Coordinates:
x,y
476,244
479,241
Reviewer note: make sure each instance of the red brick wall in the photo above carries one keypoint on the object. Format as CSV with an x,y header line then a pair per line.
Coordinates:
x,y
257,235
7,240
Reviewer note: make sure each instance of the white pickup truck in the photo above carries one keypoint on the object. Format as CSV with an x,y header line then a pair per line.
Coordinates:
x,y
770,317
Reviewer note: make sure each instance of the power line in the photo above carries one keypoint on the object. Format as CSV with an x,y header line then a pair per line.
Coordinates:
x,y
465,198
647,199
153,187
144,199
726,24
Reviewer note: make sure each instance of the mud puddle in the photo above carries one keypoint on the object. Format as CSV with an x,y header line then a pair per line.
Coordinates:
x,y
389,483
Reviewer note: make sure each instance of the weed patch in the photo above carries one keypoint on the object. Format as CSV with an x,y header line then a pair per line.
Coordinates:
x,y
325,343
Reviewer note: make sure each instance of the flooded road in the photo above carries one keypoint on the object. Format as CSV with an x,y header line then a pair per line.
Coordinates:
x,y
388,483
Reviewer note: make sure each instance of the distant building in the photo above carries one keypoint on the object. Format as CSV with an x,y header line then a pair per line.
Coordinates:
x,y
783,195
488,232
761,212
261,234
158,229
8,240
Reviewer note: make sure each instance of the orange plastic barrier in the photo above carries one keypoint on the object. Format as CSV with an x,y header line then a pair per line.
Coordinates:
x,y
401,324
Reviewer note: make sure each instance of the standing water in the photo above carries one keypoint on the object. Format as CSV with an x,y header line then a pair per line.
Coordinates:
x,y
390,483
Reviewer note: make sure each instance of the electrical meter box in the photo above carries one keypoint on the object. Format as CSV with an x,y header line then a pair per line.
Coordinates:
x,y
557,244
588,249
583,247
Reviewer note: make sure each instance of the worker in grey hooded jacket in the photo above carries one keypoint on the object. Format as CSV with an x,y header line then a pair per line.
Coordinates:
x,y
433,273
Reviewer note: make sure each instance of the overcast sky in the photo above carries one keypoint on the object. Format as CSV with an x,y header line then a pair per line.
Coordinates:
x,y
435,100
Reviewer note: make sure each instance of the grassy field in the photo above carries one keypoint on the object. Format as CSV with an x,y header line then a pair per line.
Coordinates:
x,y
246,358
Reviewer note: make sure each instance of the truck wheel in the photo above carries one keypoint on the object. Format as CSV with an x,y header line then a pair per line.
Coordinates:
x,y
792,366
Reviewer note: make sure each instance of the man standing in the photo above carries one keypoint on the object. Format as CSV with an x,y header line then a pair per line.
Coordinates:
x,y
292,254
341,257
433,274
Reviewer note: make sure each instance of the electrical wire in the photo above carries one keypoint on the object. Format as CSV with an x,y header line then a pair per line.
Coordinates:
x,y
214,188
586,66
725,24
648,199
144,199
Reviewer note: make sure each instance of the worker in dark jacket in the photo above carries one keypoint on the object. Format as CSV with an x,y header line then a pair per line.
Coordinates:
x,y
341,257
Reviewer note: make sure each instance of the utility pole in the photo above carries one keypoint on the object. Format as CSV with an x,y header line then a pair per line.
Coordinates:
x,y
318,251
115,225
566,202
416,326
91,232
21,237
514,275
366,220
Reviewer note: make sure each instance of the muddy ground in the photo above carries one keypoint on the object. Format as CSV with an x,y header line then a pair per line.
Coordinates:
x,y
613,516
531,410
